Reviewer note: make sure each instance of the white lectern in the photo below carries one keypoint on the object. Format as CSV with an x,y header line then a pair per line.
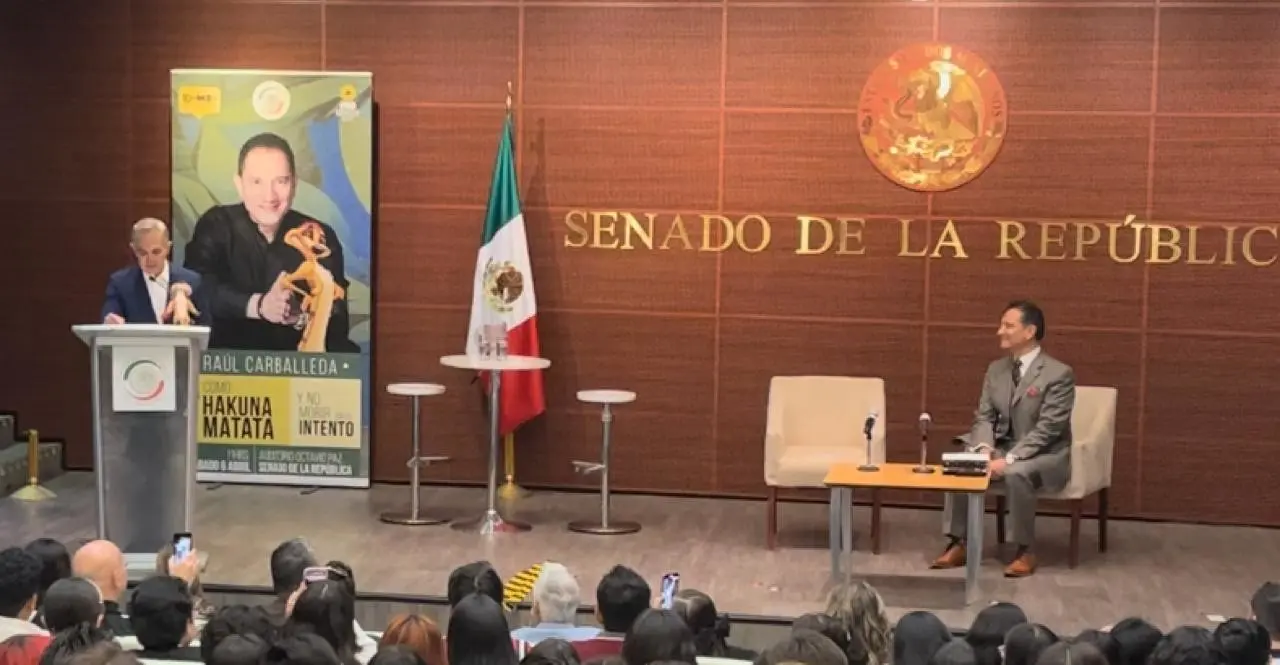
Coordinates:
x,y
145,386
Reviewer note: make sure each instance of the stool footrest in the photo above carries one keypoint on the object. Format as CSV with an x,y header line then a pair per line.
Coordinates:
x,y
426,460
587,467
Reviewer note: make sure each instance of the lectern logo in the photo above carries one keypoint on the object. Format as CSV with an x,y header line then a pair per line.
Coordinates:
x,y
932,117
144,380
503,284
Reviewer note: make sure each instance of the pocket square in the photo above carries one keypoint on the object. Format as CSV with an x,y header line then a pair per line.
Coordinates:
x,y
1033,391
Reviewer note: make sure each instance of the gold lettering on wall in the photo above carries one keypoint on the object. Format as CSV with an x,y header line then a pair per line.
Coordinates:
x,y
1124,242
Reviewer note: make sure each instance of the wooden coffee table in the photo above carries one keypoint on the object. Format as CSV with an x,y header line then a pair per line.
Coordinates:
x,y
843,479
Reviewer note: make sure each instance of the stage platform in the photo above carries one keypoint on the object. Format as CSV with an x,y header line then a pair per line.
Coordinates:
x,y
1172,574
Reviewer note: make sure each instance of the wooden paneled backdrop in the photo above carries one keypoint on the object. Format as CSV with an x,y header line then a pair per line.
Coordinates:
x,y
1168,110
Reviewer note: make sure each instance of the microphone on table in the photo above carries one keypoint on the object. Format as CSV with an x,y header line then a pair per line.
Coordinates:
x,y
925,421
867,426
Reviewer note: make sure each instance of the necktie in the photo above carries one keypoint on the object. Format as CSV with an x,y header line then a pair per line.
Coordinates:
x,y
1017,372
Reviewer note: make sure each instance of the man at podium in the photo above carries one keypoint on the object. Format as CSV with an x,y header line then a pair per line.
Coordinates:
x,y
142,293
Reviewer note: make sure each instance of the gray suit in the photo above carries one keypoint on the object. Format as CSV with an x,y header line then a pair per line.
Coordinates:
x,y
1032,421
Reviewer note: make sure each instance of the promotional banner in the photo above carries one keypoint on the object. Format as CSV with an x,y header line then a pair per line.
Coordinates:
x,y
272,201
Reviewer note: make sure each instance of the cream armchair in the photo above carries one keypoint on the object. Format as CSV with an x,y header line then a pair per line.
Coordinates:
x,y
1093,432
812,423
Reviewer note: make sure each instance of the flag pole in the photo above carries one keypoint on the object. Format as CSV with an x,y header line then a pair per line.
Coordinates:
x,y
509,489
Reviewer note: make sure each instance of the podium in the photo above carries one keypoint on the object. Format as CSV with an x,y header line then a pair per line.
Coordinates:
x,y
145,380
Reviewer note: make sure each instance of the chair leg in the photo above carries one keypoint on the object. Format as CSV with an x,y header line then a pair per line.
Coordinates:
x,y
771,521
1000,520
1073,555
875,521
1103,508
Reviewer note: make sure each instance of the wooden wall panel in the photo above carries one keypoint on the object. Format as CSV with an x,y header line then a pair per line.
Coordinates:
x,y
1166,111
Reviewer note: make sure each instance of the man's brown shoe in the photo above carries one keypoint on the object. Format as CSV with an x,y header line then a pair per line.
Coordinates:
x,y
1022,566
954,557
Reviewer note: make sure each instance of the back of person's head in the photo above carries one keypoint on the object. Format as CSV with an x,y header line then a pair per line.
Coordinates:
x,y
988,629
1105,643
475,577
238,650
551,652
1187,645
288,561
1244,642
300,649
234,620
68,642
71,601
1024,643
416,632
160,613
659,635
621,597
339,571
55,563
478,633
396,654
19,582
955,652
1137,638
710,628
917,636
1068,652
556,595
1265,605
106,652
326,608
805,647
614,659
833,629
859,606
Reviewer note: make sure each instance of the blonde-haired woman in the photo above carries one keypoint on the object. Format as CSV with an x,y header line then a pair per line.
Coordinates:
x,y
859,607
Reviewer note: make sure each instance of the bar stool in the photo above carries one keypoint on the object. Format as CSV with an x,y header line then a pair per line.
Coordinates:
x,y
414,517
605,526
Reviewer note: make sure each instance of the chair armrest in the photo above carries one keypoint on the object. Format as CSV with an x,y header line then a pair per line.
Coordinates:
x,y
774,445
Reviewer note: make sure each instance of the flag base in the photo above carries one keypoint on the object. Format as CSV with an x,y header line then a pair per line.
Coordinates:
x,y
491,523
510,491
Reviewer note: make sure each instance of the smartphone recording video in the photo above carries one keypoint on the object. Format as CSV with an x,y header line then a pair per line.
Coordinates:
x,y
181,545
670,587
315,574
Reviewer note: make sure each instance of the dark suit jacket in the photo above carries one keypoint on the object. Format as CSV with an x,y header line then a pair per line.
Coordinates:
x,y
127,293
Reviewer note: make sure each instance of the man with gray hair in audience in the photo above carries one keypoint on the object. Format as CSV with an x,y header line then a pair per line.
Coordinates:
x,y
556,597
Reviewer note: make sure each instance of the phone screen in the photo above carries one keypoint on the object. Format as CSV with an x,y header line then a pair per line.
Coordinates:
x,y
315,574
181,545
670,587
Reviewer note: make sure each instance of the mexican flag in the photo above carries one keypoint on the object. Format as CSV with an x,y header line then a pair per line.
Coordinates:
x,y
503,290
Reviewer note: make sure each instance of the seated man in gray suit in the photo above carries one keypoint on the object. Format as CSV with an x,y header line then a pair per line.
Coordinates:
x,y
1024,421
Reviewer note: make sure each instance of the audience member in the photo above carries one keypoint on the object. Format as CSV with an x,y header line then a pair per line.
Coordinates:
x,y
104,653
1265,606
621,596
475,577
1188,645
416,632
710,628
231,620
659,635
1244,642
917,637
71,641
72,601
341,573
556,597
861,609
162,612
55,564
19,586
102,563
478,633
325,608
834,630
289,560
1068,652
986,633
204,609
804,647
238,650
1105,643
1136,638
551,651
955,652
300,649
1024,643
397,655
